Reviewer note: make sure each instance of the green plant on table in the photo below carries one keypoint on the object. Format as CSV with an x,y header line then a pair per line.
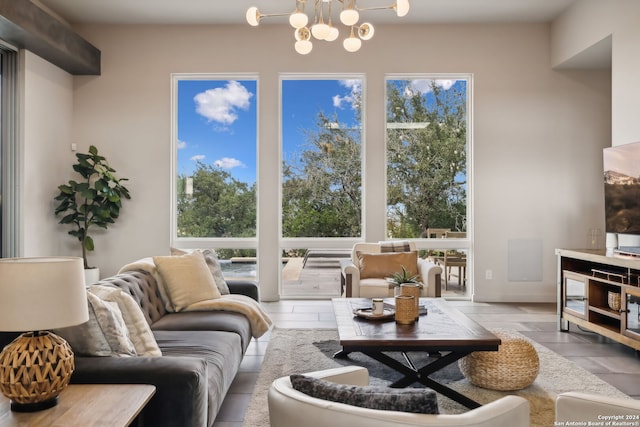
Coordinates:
x,y
403,276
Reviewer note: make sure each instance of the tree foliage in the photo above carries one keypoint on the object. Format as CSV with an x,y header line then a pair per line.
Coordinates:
x,y
321,192
322,183
219,206
426,159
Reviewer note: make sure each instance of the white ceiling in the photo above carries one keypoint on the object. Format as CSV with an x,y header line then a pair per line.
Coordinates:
x,y
233,11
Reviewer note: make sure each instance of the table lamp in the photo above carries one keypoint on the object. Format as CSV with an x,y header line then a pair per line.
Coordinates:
x,y
36,295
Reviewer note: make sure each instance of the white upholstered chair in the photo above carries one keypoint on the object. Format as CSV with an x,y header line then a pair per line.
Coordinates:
x,y
581,408
289,407
357,283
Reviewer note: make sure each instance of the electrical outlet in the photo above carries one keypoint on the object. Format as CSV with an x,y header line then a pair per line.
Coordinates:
x,y
488,274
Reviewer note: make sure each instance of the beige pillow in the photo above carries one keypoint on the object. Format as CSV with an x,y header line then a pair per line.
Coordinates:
x,y
214,266
105,334
382,265
139,330
187,279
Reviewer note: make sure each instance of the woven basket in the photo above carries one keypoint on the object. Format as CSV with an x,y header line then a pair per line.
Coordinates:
x,y
613,299
35,368
513,367
412,290
405,309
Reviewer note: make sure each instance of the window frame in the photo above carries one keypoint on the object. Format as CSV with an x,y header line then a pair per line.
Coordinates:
x,y
321,242
208,242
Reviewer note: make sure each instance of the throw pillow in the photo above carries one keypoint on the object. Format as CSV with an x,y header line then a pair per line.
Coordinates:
x,y
139,330
414,400
187,279
381,265
214,266
105,334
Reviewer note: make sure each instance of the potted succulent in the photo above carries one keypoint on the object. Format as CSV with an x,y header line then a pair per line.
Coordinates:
x,y
94,201
402,276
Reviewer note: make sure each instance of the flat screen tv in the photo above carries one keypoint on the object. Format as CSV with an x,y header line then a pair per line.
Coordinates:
x,y
622,188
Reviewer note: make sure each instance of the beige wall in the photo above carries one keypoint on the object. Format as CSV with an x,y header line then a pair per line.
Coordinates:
x,y
538,133
585,25
46,104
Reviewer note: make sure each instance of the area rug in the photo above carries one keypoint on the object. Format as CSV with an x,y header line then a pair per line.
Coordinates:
x,y
304,350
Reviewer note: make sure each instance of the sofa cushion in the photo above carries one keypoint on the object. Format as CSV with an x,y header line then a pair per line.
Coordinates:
x,y
105,334
214,267
207,321
139,330
414,400
187,279
381,265
221,351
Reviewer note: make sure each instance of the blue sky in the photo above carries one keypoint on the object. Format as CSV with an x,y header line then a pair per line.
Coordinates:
x,y
217,119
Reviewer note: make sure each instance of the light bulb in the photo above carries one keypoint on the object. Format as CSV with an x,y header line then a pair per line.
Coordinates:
x,y
349,17
298,20
333,34
365,31
402,7
302,34
303,47
253,16
352,44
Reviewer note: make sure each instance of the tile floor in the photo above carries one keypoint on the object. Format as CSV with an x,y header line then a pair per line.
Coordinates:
x,y
617,364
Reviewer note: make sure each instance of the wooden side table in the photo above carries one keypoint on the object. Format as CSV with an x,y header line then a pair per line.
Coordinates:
x,y
85,405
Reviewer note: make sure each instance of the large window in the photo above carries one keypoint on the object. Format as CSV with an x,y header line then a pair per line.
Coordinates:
x,y
321,162
426,156
215,149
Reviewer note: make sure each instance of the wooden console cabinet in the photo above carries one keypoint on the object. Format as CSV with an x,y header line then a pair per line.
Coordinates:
x,y
600,293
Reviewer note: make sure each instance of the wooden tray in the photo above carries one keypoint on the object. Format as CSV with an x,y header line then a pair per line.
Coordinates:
x,y
367,313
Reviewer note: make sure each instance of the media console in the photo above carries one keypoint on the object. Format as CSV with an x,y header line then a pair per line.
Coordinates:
x,y
600,293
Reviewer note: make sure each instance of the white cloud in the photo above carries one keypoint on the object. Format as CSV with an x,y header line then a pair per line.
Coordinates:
x,y
198,158
181,145
355,87
228,163
221,104
424,86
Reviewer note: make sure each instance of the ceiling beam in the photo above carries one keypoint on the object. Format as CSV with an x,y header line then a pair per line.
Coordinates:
x,y
26,26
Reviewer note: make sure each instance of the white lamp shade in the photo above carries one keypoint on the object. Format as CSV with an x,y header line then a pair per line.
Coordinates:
x,y
253,16
402,7
365,31
302,34
303,47
320,31
298,20
349,17
333,34
352,44
42,293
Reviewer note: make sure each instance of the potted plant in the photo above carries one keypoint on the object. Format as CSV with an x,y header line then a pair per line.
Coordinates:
x,y
94,201
402,276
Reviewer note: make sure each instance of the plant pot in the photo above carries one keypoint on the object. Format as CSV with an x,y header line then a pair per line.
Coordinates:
x,y
91,275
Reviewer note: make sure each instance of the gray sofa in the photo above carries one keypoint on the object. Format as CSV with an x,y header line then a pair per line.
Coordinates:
x,y
202,352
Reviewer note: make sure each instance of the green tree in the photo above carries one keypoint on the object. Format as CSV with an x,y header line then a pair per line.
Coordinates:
x,y
426,159
218,206
322,186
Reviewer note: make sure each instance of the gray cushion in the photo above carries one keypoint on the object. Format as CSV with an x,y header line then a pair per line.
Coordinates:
x,y
414,400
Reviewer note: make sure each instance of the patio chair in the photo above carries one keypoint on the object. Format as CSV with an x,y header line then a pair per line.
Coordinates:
x,y
365,274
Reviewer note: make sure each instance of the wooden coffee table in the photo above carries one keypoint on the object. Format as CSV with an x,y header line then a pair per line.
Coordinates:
x,y
443,331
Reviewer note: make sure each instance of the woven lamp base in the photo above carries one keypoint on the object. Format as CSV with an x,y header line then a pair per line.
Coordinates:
x,y
34,369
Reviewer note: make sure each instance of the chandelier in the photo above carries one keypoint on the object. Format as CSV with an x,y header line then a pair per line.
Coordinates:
x,y
322,27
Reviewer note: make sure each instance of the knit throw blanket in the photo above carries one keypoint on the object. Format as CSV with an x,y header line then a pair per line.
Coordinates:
x,y
258,318
395,246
